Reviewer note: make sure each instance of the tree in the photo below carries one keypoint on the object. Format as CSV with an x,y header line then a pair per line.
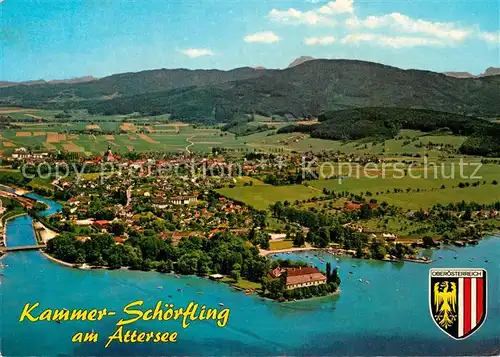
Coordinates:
x,y
467,216
235,275
299,240
380,252
428,241
275,288
118,228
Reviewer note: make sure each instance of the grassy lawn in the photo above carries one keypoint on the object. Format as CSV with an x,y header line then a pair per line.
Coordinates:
x,y
242,283
261,196
399,225
482,194
45,184
282,244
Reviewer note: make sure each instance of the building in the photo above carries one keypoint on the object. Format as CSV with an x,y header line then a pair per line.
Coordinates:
x,y
183,200
300,277
101,224
160,202
23,153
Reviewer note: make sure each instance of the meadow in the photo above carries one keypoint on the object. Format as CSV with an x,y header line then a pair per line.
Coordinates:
x,y
44,130
261,196
405,192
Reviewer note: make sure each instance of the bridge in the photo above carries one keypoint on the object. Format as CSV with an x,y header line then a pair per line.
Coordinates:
x,y
23,247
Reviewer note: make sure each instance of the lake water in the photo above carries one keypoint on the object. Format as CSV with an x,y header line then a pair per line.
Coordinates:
x,y
54,207
389,316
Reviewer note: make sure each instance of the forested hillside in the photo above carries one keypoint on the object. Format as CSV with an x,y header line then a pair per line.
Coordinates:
x,y
310,88
385,123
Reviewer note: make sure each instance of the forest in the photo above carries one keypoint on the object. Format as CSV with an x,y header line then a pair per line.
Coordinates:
x,y
385,123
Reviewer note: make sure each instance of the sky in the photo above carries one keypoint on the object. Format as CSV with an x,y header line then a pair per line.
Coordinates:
x,y
60,39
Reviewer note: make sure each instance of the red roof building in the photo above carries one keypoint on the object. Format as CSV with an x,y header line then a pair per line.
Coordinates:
x,y
300,277
101,224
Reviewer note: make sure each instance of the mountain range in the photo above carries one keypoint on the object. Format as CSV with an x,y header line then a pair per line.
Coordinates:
x,y
42,81
490,71
307,87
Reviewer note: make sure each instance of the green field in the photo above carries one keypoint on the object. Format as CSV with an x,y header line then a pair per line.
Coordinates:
x,y
162,135
282,244
482,194
261,196
415,192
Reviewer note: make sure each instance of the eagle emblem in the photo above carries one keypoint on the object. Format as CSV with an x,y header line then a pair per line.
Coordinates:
x,y
457,300
445,301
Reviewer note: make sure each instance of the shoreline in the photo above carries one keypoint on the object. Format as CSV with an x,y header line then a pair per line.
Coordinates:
x,y
91,267
55,260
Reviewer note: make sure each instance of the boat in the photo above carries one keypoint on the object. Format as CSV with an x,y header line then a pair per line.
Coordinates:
x,y
58,321
360,280
486,261
366,281
4,266
177,276
221,304
159,287
200,293
454,257
179,290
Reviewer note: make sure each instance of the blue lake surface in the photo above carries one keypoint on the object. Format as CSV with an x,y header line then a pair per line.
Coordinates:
x,y
388,316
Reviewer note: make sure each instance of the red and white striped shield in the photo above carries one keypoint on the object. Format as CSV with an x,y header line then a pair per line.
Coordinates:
x,y
457,300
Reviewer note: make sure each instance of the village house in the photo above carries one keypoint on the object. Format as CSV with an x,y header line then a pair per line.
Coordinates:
x,y
101,224
160,202
183,200
300,277
23,153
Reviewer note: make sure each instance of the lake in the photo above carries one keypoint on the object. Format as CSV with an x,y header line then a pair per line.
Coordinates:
x,y
388,316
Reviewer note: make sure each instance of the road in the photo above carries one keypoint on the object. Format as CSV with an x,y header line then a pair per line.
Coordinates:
x,y
190,143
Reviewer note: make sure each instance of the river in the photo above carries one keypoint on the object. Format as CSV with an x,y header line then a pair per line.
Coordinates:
x,y
389,316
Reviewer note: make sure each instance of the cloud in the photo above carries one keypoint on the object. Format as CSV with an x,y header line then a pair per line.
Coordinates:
x,y
315,17
392,41
492,37
325,40
197,52
337,7
296,17
403,23
262,37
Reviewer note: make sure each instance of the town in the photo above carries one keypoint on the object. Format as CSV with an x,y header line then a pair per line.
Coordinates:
x,y
181,213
